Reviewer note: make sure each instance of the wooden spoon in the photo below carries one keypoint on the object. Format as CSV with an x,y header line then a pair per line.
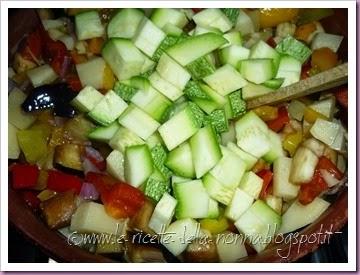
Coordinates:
x,y
319,82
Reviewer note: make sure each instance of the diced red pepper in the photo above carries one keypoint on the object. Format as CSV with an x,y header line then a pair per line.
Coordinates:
x,y
328,165
31,48
342,96
24,176
122,200
266,176
61,182
271,42
309,191
278,123
31,199
74,82
101,182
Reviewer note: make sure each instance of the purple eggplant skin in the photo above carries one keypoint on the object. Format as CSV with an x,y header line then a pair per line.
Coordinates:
x,y
54,96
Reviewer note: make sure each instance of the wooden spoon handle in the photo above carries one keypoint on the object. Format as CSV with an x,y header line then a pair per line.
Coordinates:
x,y
319,82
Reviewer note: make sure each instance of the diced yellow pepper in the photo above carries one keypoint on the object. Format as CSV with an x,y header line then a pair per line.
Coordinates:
x,y
215,226
292,141
310,115
266,113
108,78
275,16
34,142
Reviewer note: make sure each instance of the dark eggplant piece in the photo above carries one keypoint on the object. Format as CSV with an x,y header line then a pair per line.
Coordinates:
x,y
54,96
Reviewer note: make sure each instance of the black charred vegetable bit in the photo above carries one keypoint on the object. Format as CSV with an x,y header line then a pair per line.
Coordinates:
x,y
55,96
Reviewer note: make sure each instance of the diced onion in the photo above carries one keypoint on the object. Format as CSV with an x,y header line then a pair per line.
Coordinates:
x,y
89,192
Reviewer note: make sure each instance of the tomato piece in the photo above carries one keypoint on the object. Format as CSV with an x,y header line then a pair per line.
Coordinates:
x,y
61,182
309,191
24,176
342,96
266,176
101,182
324,59
278,123
328,165
271,42
305,70
196,10
74,82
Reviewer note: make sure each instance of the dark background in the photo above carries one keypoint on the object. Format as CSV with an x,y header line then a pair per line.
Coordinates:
x,y
23,251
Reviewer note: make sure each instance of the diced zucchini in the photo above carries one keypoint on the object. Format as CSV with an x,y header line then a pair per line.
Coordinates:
x,y
247,158
219,121
275,203
13,144
217,190
115,165
274,83
257,70
91,217
148,37
251,184
200,68
179,128
168,41
233,38
165,87
205,150
276,149
125,90
303,166
41,75
125,23
225,80
88,25
124,59
181,233
171,29
163,213
91,73
235,105
233,54
180,161
148,67
296,109
299,215
138,164
231,13
214,211
252,135
244,24
193,200
214,18
325,131
163,16
154,140
327,40
230,247
87,99
282,187
262,50
155,188
194,47
325,106
230,169
253,90
240,202
138,122
289,69
172,72
159,155
259,223
201,30
229,136
124,138
152,102
294,48
109,108
16,115
339,142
